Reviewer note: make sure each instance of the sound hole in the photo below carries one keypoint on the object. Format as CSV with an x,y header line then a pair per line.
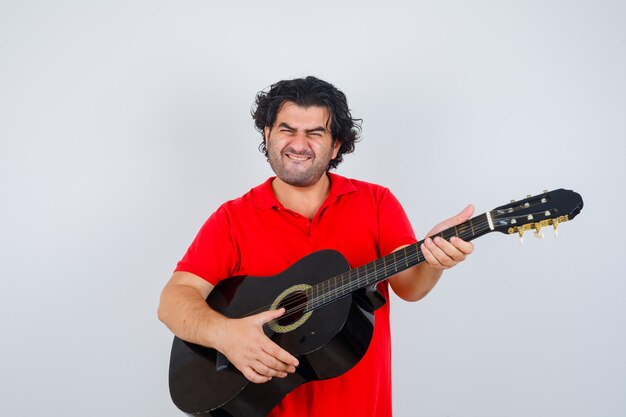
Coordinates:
x,y
294,305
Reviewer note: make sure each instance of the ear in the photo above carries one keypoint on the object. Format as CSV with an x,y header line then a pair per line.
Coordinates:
x,y
266,132
336,145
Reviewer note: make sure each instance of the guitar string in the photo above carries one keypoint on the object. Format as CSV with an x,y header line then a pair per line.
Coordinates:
x,y
320,301
327,297
291,310
340,289
298,308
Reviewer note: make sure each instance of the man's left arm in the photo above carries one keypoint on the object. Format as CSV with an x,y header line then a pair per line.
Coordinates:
x,y
415,283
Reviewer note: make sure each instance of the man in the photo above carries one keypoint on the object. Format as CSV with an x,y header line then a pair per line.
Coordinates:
x,y
306,128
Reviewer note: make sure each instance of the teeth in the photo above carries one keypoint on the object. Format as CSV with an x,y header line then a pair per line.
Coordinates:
x,y
297,158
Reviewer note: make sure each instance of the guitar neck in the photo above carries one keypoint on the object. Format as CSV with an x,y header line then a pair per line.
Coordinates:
x,y
379,270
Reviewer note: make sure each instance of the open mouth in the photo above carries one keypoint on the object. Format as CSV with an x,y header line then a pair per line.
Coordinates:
x,y
298,158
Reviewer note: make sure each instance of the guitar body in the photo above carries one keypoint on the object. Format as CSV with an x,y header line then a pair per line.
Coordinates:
x,y
328,341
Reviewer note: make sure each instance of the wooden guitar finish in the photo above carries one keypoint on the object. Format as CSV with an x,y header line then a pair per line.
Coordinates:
x,y
329,320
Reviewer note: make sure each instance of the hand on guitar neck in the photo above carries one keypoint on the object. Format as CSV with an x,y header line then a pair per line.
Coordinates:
x,y
441,253
415,283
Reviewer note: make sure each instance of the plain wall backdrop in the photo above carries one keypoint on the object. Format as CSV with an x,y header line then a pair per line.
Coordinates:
x,y
124,124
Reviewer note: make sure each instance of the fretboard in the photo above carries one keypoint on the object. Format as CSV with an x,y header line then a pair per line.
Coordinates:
x,y
379,270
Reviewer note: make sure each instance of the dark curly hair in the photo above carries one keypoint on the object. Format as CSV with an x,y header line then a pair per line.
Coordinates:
x,y
306,92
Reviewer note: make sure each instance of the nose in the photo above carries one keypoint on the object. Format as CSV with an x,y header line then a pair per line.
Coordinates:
x,y
299,141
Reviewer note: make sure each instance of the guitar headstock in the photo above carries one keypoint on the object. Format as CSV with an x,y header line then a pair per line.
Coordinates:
x,y
535,212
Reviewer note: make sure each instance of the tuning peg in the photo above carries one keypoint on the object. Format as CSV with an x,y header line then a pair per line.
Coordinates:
x,y
538,233
555,225
521,237
528,196
512,201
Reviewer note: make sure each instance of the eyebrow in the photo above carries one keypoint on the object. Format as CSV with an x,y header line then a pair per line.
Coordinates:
x,y
315,129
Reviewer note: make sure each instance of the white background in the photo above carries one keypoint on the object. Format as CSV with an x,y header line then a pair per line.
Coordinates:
x,y
124,124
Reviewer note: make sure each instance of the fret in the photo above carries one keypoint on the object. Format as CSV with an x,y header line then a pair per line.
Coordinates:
x,y
338,289
461,230
315,297
319,294
327,290
310,304
375,271
341,285
472,226
365,274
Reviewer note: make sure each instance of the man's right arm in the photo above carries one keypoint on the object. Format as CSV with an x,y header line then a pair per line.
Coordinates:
x,y
184,311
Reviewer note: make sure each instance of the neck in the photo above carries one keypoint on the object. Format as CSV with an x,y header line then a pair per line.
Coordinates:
x,y
303,200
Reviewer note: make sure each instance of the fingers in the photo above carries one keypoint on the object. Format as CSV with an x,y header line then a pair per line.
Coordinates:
x,y
457,219
268,362
272,348
256,355
283,359
267,316
275,366
253,376
465,214
464,247
263,371
443,254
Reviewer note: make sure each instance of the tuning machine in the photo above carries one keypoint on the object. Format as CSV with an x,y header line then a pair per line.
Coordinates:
x,y
538,233
555,226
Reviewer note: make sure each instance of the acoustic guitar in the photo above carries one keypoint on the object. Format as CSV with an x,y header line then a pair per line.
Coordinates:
x,y
329,320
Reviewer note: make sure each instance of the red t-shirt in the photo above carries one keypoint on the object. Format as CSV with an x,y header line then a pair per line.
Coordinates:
x,y
255,235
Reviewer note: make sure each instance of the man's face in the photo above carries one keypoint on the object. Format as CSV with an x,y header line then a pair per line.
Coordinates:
x,y
299,144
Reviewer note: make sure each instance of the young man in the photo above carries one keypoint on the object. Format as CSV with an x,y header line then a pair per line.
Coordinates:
x,y
306,127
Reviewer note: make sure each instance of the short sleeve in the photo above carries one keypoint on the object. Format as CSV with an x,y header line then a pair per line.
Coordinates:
x,y
212,254
394,227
